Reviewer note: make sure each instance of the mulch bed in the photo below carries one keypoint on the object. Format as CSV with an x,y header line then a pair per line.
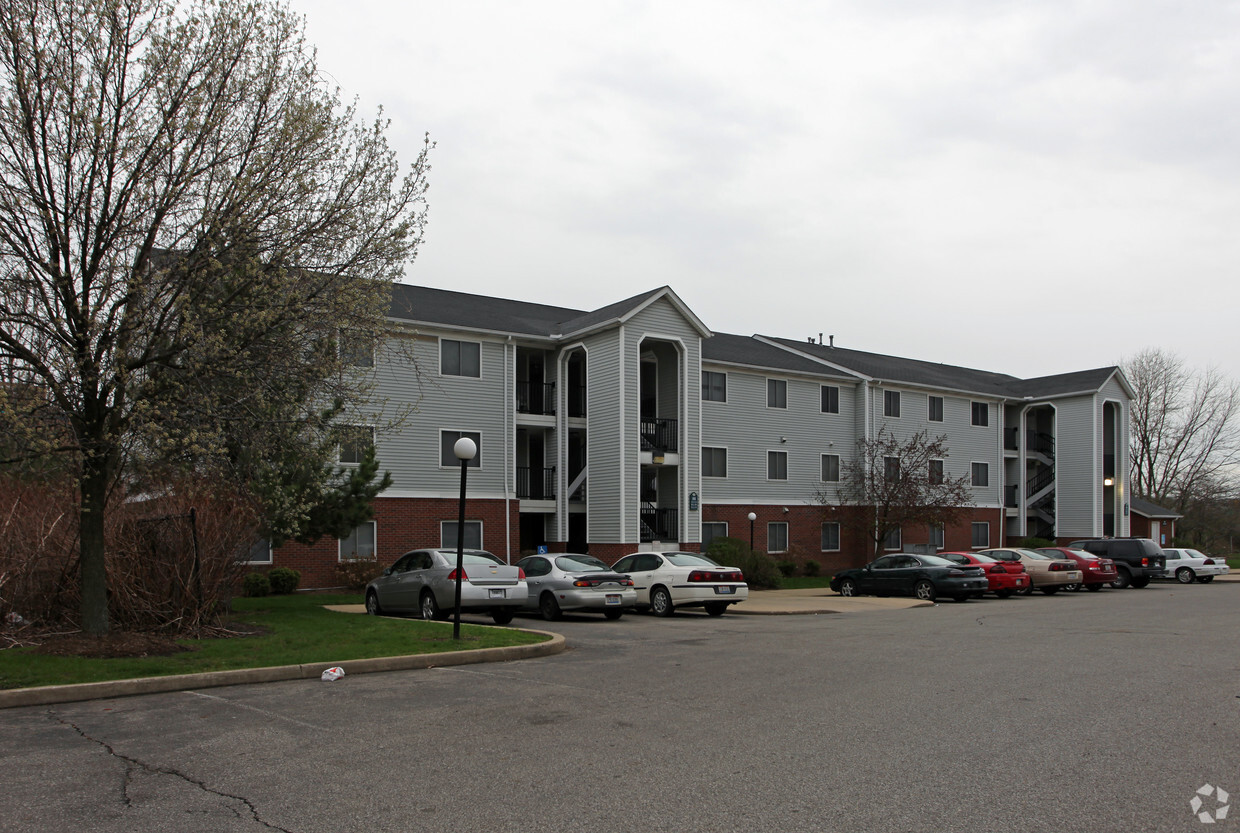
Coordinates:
x,y
116,643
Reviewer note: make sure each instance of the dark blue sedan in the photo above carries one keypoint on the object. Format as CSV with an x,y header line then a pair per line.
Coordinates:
x,y
925,576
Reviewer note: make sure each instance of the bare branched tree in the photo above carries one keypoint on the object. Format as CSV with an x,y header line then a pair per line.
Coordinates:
x,y
893,485
1185,429
189,218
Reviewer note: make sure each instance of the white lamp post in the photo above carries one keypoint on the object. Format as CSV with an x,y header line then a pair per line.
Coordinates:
x,y
752,517
465,450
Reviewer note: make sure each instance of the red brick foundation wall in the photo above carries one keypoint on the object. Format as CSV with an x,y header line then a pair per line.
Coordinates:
x,y
401,524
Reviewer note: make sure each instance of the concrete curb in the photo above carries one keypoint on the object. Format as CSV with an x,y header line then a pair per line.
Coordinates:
x,y
47,695
802,611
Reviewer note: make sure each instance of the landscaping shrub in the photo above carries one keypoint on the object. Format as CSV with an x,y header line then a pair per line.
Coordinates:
x,y
1035,543
812,568
759,568
284,580
256,584
356,573
786,568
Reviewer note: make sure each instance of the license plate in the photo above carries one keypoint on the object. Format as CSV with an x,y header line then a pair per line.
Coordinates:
x,y
497,593
613,599
724,591
1020,582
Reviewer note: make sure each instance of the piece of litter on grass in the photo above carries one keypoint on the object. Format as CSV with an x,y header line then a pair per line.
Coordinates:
x,y
332,674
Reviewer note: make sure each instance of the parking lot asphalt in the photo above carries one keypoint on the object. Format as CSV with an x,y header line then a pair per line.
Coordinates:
x,y
1104,712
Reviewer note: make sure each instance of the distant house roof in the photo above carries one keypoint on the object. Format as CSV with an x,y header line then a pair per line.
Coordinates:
x,y
1151,510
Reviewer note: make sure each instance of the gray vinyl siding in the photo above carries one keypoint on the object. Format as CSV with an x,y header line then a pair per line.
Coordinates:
x,y
603,436
1077,463
438,403
966,443
749,429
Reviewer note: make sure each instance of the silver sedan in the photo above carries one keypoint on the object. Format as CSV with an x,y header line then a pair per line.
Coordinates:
x,y
568,581
424,581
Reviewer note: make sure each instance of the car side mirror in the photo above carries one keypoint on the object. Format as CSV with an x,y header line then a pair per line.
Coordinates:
x,y
388,571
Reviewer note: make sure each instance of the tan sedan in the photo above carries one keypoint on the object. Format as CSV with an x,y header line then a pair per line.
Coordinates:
x,y
1049,574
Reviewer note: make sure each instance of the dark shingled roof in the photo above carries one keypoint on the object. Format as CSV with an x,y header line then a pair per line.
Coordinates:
x,y
422,304
483,313
746,350
1151,510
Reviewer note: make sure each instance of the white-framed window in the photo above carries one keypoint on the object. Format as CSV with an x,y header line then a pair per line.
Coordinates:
x,y
936,472
981,474
259,552
355,350
473,535
777,465
460,358
891,403
893,540
777,536
355,441
981,414
891,468
447,440
359,545
830,399
936,536
714,386
712,530
714,462
831,536
830,468
981,535
776,393
936,409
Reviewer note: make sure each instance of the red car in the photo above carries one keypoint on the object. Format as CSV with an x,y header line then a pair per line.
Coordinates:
x,y
1005,577
1096,570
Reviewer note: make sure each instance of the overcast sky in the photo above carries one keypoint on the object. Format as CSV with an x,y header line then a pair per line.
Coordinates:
x,y
1029,188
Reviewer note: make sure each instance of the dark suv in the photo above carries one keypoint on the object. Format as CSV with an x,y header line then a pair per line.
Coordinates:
x,y
1137,560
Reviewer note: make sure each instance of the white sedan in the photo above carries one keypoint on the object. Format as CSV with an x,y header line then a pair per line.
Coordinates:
x,y
1184,565
667,580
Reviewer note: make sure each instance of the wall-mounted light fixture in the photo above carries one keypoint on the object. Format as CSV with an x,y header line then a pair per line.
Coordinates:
x,y
1107,481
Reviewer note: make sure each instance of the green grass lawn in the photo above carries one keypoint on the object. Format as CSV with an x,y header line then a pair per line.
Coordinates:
x,y
296,629
1233,561
804,582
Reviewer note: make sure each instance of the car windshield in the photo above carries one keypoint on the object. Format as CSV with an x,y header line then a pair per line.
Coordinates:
x,y
1041,556
1195,554
580,564
985,559
689,559
956,557
935,561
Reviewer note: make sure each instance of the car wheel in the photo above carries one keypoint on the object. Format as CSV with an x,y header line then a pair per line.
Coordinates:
x,y
1050,589
501,615
428,606
716,608
1027,590
1071,588
661,602
549,607
848,587
372,604
1093,588
1185,575
1204,579
1006,593
613,614
925,591
1138,583
964,597
1122,581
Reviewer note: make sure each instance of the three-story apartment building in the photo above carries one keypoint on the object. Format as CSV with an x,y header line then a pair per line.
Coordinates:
x,y
635,426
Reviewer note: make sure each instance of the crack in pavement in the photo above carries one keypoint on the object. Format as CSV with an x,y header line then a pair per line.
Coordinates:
x,y
131,764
